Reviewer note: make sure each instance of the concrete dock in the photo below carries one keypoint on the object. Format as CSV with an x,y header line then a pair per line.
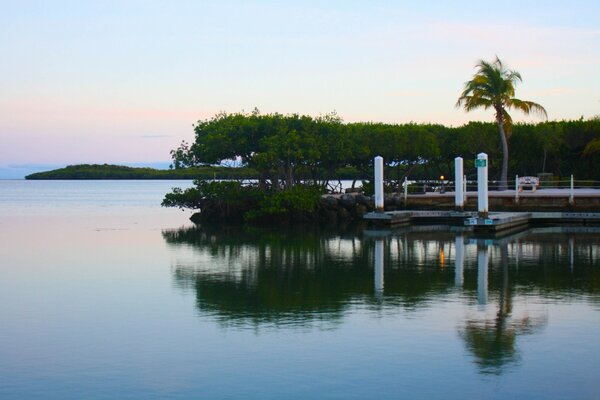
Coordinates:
x,y
495,222
498,221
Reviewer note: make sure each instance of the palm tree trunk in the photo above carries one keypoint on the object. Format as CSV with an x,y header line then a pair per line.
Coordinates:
x,y
504,171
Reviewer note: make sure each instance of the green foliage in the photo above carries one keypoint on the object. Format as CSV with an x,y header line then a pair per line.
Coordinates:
x,y
368,187
218,201
189,198
286,149
235,202
295,203
280,147
221,193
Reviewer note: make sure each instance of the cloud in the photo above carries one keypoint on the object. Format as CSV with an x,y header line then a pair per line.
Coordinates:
x,y
155,136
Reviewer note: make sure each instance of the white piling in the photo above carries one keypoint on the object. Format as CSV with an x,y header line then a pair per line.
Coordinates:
x,y
482,184
572,192
379,266
482,274
459,200
516,189
405,191
459,261
378,183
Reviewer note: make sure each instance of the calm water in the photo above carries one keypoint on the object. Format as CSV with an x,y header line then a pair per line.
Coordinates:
x,y
103,294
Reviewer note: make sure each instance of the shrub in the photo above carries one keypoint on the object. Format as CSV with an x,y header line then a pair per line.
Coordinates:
x,y
368,187
293,204
231,201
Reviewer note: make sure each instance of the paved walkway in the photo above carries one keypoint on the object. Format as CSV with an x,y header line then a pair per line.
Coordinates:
x,y
523,193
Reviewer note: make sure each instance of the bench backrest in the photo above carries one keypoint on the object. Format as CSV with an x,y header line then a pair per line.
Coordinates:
x,y
529,180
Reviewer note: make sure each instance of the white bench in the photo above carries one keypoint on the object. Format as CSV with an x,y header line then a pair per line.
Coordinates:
x,y
529,181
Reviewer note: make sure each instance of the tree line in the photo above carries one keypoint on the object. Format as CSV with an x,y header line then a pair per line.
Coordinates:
x,y
287,149
108,171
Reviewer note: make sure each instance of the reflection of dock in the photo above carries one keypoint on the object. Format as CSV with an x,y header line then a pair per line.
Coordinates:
x,y
495,222
468,236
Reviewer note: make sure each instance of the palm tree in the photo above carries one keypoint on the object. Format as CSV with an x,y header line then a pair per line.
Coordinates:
x,y
493,86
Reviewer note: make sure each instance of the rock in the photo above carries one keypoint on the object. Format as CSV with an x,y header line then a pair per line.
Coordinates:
x,y
328,216
362,199
397,200
331,202
360,210
347,200
343,214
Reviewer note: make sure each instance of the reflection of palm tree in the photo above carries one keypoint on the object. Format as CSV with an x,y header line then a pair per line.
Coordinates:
x,y
493,342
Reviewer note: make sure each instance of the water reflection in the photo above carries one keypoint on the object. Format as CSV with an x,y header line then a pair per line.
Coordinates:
x,y
296,277
492,341
379,267
459,261
482,274
266,278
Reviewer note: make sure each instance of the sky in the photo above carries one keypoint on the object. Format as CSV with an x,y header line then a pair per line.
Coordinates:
x,y
124,81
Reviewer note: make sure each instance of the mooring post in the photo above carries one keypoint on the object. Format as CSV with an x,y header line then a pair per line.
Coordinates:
x,y
464,189
516,189
459,261
571,192
482,274
378,266
459,200
482,184
378,183
405,191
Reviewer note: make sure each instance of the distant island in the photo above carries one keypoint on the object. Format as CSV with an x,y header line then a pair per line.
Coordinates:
x,y
107,171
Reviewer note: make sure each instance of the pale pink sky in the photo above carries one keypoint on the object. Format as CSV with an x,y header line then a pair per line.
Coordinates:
x,y
123,82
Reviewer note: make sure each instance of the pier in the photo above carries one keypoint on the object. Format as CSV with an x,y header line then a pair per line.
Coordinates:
x,y
544,204
495,222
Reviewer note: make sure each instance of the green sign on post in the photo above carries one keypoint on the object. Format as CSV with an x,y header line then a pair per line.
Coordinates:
x,y
480,162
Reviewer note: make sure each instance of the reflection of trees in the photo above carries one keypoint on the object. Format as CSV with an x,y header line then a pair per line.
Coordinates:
x,y
493,342
278,277
294,277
